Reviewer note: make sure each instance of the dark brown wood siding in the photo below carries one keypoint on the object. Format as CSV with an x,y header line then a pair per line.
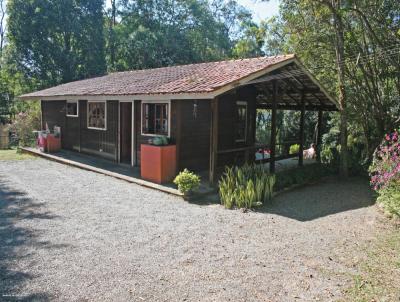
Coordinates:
x,y
72,131
193,137
144,139
53,114
227,116
190,133
103,143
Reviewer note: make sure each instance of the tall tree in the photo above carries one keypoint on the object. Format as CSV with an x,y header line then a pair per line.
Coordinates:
x,y
111,16
362,39
335,7
161,33
56,41
2,26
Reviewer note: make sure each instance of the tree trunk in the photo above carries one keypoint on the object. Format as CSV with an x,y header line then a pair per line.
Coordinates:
x,y
339,49
111,41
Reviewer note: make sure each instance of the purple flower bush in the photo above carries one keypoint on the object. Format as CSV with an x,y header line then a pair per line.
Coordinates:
x,y
385,167
385,173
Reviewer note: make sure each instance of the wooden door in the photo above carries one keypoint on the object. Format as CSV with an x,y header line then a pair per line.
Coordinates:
x,y
126,132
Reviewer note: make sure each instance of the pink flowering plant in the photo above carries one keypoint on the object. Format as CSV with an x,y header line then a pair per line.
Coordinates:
x,y
385,167
385,172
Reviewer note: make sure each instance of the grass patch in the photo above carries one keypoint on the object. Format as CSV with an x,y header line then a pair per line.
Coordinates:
x,y
379,277
14,154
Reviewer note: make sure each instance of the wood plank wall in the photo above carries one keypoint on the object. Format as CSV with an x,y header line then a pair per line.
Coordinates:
x,y
227,124
194,137
75,134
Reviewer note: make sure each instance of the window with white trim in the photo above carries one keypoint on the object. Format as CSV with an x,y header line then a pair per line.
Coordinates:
x,y
96,118
155,118
241,121
72,108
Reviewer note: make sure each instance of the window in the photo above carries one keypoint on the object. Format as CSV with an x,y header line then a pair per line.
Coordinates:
x,y
155,119
97,115
72,108
241,121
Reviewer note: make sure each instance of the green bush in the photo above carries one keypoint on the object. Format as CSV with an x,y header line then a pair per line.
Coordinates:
x,y
294,149
302,175
246,186
187,181
389,197
24,124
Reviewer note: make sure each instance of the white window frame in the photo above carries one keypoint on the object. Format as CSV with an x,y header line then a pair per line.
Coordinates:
x,y
241,103
169,117
105,115
77,108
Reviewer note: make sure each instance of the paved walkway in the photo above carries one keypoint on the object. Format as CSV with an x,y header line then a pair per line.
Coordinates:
x,y
72,235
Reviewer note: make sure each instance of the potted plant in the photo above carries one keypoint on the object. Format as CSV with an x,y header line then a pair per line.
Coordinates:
x,y
187,183
158,160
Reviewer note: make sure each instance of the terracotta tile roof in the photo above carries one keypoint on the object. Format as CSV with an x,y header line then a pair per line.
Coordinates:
x,y
190,79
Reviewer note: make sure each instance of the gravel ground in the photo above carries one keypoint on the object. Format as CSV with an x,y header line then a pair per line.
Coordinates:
x,y
72,235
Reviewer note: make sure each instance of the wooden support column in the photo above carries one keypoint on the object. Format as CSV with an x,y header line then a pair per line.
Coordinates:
x,y
213,141
302,118
319,135
273,126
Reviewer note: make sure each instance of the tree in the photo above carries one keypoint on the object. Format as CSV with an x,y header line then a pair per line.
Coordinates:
x,y
163,33
2,26
362,38
250,43
111,15
56,42
335,7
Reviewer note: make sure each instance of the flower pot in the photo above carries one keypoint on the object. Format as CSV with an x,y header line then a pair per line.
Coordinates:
x,y
158,163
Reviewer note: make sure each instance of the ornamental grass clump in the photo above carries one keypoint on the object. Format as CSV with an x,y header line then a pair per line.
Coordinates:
x,y
385,173
187,182
246,186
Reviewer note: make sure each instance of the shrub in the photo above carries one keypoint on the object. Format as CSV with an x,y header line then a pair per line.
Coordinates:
x,y
389,197
294,149
302,175
385,173
24,124
187,181
246,186
385,167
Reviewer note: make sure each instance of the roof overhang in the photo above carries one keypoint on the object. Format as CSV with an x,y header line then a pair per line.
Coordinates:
x,y
248,80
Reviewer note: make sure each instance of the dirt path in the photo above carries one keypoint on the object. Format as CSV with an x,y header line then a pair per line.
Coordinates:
x,y
72,235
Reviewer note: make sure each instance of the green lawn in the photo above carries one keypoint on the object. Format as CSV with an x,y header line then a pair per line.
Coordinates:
x,y
13,154
379,279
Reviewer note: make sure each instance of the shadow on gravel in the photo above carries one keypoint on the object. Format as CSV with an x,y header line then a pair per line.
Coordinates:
x,y
16,206
320,200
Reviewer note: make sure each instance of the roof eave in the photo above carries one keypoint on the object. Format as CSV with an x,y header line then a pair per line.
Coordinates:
x,y
144,97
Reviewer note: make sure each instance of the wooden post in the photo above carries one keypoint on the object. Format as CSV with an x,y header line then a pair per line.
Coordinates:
x,y
319,135
178,118
273,126
302,117
213,140
41,115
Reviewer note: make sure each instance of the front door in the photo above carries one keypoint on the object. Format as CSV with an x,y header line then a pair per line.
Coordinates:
x,y
126,132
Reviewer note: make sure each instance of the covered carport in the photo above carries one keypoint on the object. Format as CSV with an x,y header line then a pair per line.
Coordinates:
x,y
289,87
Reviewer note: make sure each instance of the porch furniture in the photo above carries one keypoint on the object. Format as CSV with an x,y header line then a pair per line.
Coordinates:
x,y
158,163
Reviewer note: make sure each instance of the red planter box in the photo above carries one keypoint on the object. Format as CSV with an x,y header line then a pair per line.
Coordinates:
x,y
53,143
158,163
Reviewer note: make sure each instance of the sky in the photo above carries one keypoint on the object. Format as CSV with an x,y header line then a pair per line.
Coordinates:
x,y
261,10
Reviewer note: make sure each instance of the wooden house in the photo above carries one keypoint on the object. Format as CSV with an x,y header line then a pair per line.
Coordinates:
x,y
208,110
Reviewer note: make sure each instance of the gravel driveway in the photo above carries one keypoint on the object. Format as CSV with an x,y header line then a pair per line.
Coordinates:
x,y
72,235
